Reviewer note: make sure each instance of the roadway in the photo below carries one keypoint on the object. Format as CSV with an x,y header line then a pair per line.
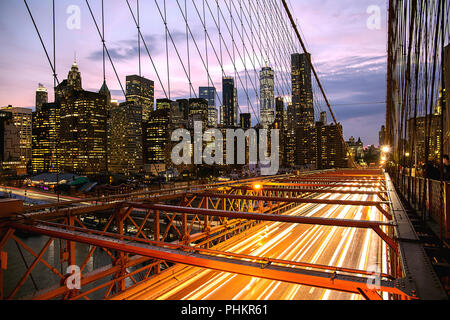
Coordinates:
x,y
360,249
35,197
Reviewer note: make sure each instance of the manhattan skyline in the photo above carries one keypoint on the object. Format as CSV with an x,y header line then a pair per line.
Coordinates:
x,y
350,59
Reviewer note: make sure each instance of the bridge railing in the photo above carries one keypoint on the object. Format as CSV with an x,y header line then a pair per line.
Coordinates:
x,y
424,195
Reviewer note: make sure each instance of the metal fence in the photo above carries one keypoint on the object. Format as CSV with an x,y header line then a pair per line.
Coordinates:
x,y
424,195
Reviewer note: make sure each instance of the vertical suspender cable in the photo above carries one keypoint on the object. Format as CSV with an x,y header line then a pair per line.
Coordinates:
x,y
139,38
167,50
54,88
103,40
187,49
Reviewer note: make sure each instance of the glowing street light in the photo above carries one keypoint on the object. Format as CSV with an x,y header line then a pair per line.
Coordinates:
x,y
257,186
386,149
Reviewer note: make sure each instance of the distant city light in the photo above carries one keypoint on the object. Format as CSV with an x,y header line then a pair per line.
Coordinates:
x,y
386,149
257,186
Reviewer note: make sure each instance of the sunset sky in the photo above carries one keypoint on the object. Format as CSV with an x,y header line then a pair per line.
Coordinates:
x,y
350,57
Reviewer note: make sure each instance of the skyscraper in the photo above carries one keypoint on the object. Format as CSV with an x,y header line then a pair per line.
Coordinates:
x,y
446,95
198,111
302,94
209,94
156,139
382,136
236,107
141,91
41,96
280,125
46,150
164,104
9,145
183,104
246,121
228,111
126,146
267,109
320,147
83,118
104,90
291,136
74,77
22,119
323,118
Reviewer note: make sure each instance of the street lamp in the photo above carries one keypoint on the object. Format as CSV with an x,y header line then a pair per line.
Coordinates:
x,y
386,149
257,186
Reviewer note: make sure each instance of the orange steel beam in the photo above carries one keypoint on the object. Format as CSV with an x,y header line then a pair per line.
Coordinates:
x,y
91,277
264,217
376,204
325,185
297,190
198,249
374,225
308,179
320,279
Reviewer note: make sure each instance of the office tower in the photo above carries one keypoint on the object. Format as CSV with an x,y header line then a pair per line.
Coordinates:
x,y
279,109
22,118
246,121
9,145
198,111
331,151
5,120
382,136
279,124
126,147
306,148
229,102
222,116
291,136
209,94
302,94
74,77
178,119
236,107
46,150
41,96
323,118
104,90
156,138
356,148
267,109
417,133
183,104
83,134
320,147
446,95
163,104
141,91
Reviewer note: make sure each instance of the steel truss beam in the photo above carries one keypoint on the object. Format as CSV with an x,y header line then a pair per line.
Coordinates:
x,y
298,190
320,279
324,185
374,225
333,180
377,204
